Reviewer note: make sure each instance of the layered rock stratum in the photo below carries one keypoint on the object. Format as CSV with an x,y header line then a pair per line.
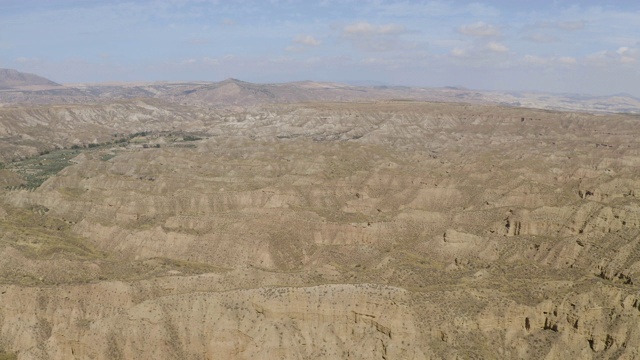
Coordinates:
x,y
146,229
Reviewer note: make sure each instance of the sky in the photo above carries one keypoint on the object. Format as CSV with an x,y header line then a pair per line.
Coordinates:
x,y
561,46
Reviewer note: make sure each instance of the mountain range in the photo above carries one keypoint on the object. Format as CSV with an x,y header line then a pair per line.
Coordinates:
x,y
17,87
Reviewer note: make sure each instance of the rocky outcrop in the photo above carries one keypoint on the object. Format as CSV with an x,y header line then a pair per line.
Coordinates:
x,y
116,320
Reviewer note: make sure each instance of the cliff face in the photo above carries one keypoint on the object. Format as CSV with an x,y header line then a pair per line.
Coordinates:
x,y
379,230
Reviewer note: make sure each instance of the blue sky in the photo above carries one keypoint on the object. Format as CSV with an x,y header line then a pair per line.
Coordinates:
x,y
590,47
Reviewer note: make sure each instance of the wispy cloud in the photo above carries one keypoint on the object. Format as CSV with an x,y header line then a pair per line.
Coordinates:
x,y
480,51
497,47
623,55
377,38
541,38
306,40
302,43
567,60
479,28
363,28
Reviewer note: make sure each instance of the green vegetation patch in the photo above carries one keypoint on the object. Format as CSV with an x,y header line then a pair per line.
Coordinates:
x,y
38,169
107,157
191,138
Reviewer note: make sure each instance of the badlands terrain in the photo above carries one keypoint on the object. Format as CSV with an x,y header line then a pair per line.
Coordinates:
x,y
157,227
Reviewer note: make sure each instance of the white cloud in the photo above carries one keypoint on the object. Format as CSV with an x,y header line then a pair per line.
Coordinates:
x,y
480,29
623,55
497,47
541,38
567,60
364,28
377,61
628,55
27,61
568,25
480,51
548,61
535,60
459,52
543,32
210,61
302,43
306,40
429,8
375,38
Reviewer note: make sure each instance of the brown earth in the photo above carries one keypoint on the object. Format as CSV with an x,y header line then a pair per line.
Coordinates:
x,y
397,230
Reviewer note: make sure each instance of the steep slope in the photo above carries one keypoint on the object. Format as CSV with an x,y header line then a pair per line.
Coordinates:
x,y
29,130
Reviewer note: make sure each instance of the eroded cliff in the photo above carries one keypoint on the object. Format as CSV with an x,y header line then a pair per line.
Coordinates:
x,y
373,230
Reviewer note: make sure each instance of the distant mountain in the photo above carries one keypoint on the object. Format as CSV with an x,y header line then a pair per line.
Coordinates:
x,y
233,92
10,79
19,88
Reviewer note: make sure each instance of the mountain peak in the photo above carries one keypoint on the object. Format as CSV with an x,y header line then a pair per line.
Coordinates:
x,y
233,80
10,78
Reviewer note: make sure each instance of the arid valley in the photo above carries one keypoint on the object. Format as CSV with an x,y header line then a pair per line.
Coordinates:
x,y
241,221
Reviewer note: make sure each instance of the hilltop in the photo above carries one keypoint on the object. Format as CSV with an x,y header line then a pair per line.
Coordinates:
x,y
13,79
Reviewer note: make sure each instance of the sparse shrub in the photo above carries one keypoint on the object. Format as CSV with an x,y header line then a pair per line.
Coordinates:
x,y
107,157
191,138
140,133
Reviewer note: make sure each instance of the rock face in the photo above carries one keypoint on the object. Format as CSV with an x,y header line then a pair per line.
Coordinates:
x,y
394,230
286,323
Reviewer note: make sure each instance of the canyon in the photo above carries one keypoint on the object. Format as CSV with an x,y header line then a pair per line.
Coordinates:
x,y
164,228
